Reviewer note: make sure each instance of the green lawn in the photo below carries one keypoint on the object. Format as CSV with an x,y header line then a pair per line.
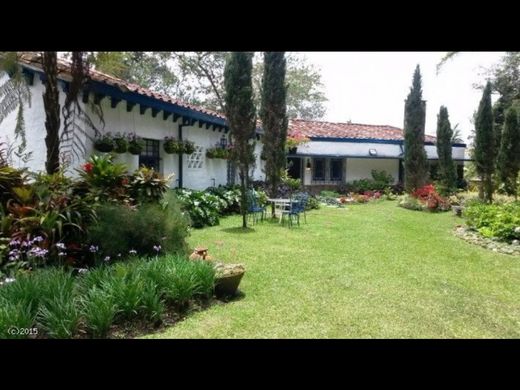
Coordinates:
x,y
367,271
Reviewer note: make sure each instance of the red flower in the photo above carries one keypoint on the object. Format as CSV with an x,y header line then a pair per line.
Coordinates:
x,y
88,167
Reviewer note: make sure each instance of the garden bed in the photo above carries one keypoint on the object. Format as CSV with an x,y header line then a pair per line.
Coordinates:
x,y
494,245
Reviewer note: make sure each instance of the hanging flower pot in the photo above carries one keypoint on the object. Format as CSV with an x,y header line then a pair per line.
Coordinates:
x,y
135,144
104,143
188,147
120,143
171,145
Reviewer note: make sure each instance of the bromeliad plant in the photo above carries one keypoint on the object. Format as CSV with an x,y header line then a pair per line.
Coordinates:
x,y
147,185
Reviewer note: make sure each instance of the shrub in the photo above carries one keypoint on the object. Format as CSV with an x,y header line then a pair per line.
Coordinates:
x,y
409,202
231,197
429,196
98,310
312,203
218,152
12,316
10,178
121,228
147,185
494,220
203,208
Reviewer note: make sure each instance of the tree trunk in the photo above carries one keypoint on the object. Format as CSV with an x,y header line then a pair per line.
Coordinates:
x,y
243,194
51,104
481,188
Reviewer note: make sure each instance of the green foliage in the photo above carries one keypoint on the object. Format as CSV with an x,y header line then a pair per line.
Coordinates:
x,y
98,310
381,181
508,161
447,173
15,316
104,179
146,185
121,229
415,160
10,178
203,208
409,202
104,142
312,203
274,117
218,152
484,152
498,220
61,305
120,143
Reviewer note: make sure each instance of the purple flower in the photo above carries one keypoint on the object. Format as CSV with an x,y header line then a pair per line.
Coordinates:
x,y
93,249
132,252
107,259
25,244
37,252
157,248
61,254
60,245
14,242
38,239
14,252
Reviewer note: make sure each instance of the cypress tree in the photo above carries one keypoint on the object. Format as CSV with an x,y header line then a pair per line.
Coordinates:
x,y
241,116
508,161
415,160
484,152
273,112
447,173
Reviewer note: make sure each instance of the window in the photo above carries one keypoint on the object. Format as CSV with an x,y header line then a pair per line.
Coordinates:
x,y
319,169
336,169
149,156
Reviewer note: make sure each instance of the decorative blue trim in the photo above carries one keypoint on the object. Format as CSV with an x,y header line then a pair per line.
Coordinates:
x,y
134,98
372,141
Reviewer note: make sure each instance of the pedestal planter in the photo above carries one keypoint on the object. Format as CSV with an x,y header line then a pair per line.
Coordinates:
x,y
227,279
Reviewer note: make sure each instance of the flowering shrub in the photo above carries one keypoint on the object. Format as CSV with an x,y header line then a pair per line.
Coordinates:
x,y
427,197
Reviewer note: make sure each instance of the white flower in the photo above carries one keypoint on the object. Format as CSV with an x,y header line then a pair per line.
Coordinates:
x,y
107,259
60,245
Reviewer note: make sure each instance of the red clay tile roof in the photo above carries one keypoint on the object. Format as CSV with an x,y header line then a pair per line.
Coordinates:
x,y
347,130
64,68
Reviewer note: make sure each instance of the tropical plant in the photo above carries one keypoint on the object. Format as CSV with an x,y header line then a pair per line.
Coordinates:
x,y
147,185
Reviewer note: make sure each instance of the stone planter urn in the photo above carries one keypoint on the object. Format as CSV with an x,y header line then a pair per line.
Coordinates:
x,y
457,210
227,278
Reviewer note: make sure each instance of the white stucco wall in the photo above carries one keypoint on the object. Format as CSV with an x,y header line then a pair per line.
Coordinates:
x,y
119,120
361,168
361,149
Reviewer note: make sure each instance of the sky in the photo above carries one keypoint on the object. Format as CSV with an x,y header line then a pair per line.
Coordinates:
x,y
370,87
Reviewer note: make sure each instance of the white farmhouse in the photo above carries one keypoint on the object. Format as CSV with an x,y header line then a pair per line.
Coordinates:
x,y
337,152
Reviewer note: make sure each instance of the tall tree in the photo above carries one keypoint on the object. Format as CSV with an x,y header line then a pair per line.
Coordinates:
x,y
241,116
484,152
51,104
508,160
415,160
273,113
447,173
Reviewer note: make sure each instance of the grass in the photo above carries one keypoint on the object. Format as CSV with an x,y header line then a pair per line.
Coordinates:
x,y
366,271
